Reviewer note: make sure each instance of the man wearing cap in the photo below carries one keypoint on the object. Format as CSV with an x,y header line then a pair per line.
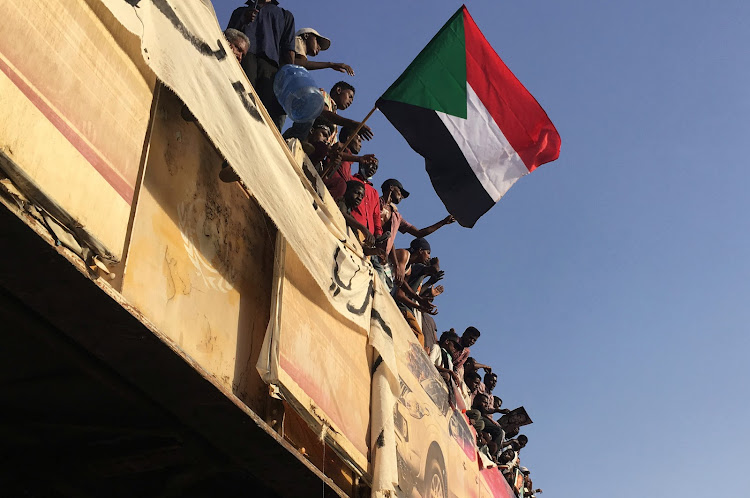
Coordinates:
x,y
391,220
309,43
270,30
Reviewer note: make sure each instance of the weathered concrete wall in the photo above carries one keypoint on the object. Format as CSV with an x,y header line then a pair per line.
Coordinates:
x,y
200,260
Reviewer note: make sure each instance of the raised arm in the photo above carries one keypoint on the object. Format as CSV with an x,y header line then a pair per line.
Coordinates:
x,y
424,232
365,131
303,61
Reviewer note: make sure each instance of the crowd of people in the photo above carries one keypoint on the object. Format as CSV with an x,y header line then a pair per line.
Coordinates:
x,y
263,38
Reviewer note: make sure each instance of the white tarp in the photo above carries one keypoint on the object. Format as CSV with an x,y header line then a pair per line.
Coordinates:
x,y
184,46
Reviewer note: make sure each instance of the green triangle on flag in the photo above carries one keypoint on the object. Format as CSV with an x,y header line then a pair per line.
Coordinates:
x,y
436,79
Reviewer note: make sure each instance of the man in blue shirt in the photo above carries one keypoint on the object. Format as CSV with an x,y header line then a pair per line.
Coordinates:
x,y
271,32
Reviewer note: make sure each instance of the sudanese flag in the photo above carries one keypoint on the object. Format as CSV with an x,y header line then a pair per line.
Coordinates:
x,y
479,130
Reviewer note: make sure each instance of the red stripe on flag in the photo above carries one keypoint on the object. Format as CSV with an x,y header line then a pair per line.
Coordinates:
x,y
520,117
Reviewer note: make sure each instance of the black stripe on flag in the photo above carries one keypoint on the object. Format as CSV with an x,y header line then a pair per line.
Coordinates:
x,y
452,178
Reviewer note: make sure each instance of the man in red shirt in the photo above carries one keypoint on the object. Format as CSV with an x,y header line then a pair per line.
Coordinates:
x,y
336,181
368,211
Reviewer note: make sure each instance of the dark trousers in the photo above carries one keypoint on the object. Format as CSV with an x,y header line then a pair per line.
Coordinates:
x,y
261,72
494,430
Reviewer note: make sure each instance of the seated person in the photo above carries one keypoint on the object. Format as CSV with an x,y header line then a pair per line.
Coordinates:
x,y
470,388
471,401
483,403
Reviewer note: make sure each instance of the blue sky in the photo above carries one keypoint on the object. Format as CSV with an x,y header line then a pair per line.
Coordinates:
x,y
611,286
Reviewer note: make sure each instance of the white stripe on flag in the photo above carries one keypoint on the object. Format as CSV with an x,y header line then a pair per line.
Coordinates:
x,y
491,157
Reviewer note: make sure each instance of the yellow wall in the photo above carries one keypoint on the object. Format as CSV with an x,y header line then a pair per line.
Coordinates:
x,y
74,108
200,261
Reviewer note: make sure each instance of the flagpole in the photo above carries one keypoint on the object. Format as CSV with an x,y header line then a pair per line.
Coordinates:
x,y
349,140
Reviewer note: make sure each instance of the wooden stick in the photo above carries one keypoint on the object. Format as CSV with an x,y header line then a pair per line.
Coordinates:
x,y
358,128
351,137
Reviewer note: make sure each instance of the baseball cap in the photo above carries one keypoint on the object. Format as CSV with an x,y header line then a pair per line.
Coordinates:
x,y
393,182
324,42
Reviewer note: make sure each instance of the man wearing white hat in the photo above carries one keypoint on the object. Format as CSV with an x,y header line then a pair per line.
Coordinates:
x,y
308,43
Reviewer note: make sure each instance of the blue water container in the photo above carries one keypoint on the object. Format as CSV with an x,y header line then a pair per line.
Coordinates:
x,y
298,94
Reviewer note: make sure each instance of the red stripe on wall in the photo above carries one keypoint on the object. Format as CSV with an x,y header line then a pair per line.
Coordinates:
x,y
112,177
520,117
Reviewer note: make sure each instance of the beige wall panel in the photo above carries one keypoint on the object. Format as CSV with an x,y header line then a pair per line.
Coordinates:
x,y
67,78
324,361
200,261
36,145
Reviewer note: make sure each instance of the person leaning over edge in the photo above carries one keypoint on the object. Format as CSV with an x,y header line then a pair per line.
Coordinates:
x,y
308,43
405,296
355,192
368,212
340,98
392,221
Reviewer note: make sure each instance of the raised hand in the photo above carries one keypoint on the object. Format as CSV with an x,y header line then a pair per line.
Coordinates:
x,y
366,132
342,68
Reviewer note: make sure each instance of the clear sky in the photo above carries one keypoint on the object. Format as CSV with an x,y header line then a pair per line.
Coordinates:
x,y
608,285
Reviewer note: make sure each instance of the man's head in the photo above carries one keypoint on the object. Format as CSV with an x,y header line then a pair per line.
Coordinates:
x,y
483,403
473,380
469,337
392,188
368,169
449,341
471,365
355,145
343,94
420,250
490,381
314,41
238,42
355,192
320,131
507,456
523,440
